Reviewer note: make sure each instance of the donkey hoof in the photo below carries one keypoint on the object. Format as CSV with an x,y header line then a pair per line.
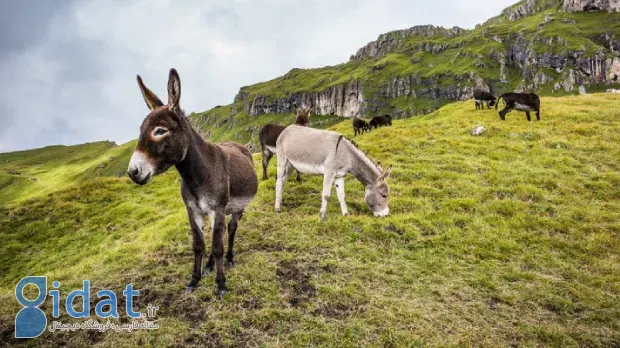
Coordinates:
x,y
220,293
207,270
323,216
230,263
277,210
189,289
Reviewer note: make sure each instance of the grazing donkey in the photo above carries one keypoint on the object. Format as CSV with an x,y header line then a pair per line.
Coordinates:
x,y
520,101
359,126
216,179
378,121
270,133
481,97
317,151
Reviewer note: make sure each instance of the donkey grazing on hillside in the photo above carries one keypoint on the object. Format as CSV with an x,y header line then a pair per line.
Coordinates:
x,y
216,179
378,121
480,97
520,101
317,151
360,126
270,133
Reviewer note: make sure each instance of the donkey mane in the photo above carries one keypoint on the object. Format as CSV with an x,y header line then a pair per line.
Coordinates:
x,y
364,154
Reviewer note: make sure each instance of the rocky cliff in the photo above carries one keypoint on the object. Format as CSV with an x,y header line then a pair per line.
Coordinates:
x,y
591,5
547,46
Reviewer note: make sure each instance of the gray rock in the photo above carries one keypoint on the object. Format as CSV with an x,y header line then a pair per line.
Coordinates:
x,y
478,130
582,90
591,5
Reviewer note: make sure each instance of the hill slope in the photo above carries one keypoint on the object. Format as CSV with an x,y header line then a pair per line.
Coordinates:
x,y
25,174
510,238
548,46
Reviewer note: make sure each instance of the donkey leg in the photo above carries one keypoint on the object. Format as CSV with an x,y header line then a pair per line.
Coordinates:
x,y
266,158
298,176
232,230
217,248
339,182
196,222
211,261
502,114
328,181
527,113
538,115
284,169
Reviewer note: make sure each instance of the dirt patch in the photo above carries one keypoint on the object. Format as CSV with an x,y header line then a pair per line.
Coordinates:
x,y
339,310
253,303
295,281
203,339
394,229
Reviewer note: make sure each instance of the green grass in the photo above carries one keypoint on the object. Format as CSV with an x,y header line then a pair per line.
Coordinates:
x,y
26,174
506,239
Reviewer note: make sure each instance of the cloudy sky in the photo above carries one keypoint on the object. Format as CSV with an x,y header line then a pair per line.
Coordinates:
x,y
68,68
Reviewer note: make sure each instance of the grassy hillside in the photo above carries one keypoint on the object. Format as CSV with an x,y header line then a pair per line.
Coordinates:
x,y
224,123
510,238
25,174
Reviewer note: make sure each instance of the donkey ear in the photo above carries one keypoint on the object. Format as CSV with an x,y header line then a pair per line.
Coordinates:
x,y
385,174
174,90
294,108
379,166
149,97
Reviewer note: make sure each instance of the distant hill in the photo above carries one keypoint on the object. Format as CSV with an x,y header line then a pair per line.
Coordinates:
x,y
24,174
547,46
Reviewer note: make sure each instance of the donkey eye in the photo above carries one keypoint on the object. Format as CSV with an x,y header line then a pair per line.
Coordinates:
x,y
160,131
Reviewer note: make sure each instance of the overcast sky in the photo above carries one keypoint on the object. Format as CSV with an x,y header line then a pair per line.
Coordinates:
x,y
68,68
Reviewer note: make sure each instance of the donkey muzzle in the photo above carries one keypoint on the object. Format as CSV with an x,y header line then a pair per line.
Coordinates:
x,y
140,170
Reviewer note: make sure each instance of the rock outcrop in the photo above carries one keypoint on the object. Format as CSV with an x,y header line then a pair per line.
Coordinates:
x,y
388,42
342,100
591,5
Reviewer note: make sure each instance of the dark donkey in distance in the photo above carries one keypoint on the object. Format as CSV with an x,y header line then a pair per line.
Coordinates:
x,y
216,179
270,133
481,97
360,126
527,102
378,121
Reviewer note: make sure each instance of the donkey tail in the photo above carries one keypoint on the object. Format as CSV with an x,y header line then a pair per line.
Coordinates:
x,y
498,100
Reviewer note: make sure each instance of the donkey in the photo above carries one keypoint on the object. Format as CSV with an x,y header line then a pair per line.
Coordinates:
x,y
216,179
520,101
317,151
270,133
481,97
377,121
359,126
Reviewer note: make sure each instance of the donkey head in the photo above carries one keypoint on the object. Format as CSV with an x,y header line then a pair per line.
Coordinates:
x,y
164,133
302,116
377,193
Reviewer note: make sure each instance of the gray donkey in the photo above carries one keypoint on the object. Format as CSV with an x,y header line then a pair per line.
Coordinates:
x,y
317,151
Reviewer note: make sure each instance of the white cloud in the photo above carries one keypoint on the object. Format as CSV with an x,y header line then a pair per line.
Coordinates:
x,y
82,75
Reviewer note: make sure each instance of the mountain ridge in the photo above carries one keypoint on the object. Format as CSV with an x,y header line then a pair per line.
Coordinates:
x,y
547,46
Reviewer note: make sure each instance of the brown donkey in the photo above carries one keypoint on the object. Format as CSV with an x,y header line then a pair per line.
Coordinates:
x,y
270,133
216,179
